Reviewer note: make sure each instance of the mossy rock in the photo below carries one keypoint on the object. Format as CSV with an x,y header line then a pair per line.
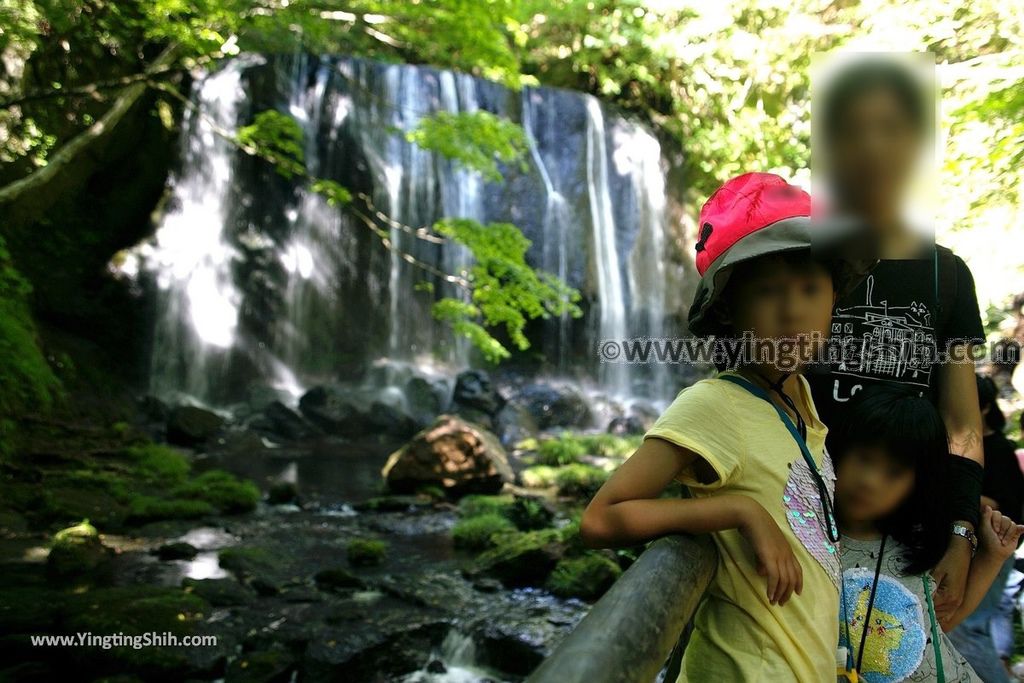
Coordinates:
x,y
219,592
247,561
580,480
145,509
586,577
76,551
30,609
538,476
264,666
563,450
479,504
475,533
224,491
138,610
529,513
363,552
337,579
521,559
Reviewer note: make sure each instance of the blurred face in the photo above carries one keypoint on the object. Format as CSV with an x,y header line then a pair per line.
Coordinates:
x,y
870,485
873,153
776,301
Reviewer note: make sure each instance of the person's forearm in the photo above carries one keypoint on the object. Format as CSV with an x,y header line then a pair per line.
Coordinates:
x,y
984,570
630,522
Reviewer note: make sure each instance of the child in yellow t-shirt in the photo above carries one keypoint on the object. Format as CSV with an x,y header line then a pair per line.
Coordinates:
x,y
749,446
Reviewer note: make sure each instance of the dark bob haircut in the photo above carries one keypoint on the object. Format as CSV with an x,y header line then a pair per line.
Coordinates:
x,y
870,76
909,429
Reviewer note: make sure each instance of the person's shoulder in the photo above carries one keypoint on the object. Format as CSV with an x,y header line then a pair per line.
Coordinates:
x,y
947,257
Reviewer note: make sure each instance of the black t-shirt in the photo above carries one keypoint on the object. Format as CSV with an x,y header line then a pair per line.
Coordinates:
x,y
892,326
1004,482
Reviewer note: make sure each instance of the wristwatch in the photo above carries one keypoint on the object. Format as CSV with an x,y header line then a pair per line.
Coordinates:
x,y
961,530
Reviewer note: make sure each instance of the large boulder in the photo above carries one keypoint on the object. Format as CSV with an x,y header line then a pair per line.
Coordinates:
x,y
384,418
555,407
192,426
513,423
426,399
333,412
280,420
474,390
453,454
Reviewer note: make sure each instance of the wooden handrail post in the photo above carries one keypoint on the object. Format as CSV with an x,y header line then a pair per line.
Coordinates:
x,y
628,634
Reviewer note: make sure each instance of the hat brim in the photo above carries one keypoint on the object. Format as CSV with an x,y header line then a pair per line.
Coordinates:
x,y
789,234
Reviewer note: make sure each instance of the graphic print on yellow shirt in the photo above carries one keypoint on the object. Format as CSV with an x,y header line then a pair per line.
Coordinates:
x,y
738,635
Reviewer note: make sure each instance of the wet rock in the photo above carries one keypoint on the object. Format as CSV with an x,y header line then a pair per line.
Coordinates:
x,y
485,584
473,389
76,551
436,666
555,407
191,426
336,579
426,399
267,666
280,420
283,493
513,423
264,586
177,551
398,503
509,650
219,592
623,426
333,412
452,454
152,409
388,419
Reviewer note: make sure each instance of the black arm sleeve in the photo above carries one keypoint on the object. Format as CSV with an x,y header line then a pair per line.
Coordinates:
x,y
966,477
964,323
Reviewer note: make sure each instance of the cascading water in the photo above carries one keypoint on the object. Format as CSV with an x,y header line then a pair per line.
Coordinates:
x,y
262,280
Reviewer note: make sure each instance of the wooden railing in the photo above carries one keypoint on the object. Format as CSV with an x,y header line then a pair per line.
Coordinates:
x,y
629,633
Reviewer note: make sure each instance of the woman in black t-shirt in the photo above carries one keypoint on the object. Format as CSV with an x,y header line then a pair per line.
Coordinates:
x,y
919,300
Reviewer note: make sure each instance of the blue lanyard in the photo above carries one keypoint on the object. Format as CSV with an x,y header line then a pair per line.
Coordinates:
x,y
832,530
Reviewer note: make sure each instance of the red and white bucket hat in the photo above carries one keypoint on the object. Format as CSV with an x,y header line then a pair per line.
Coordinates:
x,y
751,215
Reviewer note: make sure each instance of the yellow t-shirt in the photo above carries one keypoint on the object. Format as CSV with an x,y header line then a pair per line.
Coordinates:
x,y
738,636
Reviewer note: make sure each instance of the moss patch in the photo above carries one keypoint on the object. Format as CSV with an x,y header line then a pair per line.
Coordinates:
x,y
362,552
475,533
586,577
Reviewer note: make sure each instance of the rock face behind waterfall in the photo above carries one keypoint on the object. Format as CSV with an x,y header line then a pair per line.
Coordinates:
x,y
257,279
451,453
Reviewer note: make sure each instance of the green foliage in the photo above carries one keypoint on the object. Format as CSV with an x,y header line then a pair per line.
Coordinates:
x,y
475,533
365,551
477,140
505,290
277,138
336,194
27,383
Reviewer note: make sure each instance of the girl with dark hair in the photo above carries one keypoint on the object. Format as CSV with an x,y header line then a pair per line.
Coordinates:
x,y
892,503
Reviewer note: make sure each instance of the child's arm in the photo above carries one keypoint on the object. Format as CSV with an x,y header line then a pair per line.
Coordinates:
x,y
997,542
627,511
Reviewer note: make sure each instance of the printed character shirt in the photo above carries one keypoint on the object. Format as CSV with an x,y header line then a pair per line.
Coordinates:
x,y
738,635
891,328
899,645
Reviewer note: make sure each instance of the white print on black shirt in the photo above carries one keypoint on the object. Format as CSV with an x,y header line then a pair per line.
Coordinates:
x,y
882,342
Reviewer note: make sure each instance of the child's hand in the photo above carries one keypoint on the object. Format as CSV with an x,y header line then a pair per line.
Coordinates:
x,y
775,558
999,533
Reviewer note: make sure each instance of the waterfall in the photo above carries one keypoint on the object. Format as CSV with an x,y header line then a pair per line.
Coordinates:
x,y
262,283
